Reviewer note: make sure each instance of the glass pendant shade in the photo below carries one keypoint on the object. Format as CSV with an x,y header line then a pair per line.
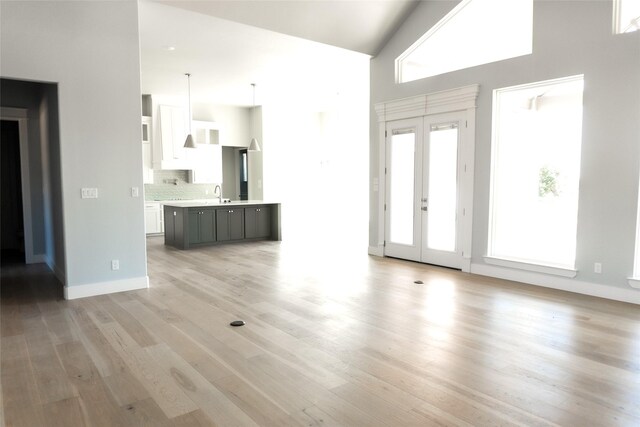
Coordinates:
x,y
254,146
189,142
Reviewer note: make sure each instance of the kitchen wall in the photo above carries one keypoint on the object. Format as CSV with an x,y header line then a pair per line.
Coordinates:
x,y
236,127
235,120
570,37
91,49
174,185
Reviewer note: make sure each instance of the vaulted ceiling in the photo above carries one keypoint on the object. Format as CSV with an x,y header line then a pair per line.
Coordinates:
x,y
295,51
360,25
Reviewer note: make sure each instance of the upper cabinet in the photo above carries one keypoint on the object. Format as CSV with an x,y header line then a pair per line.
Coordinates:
x,y
147,166
206,132
169,151
166,147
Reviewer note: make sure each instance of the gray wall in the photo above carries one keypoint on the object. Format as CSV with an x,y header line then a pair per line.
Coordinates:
x,y
570,37
52,180
91,49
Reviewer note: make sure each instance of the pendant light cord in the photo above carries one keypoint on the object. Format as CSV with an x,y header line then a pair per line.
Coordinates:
x,y
189,88
253,112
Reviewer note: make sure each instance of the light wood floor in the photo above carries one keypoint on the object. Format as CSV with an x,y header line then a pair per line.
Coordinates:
x,y
337,339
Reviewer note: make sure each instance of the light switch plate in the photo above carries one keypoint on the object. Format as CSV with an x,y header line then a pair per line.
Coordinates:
x,y
89,193
135,192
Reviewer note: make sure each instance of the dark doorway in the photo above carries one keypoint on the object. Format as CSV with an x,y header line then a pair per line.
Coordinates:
x,y
244,175
12,223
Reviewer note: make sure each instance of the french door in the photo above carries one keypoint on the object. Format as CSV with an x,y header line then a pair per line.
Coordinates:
x,y
422,181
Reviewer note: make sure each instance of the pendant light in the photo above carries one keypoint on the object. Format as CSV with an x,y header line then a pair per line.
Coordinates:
x,y
189,142
253,146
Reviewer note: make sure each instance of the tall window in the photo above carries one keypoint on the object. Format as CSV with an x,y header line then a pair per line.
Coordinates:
x,y
475,32
626,16
537,132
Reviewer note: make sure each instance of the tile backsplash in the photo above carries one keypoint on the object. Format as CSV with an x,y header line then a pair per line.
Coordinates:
x,y
174,185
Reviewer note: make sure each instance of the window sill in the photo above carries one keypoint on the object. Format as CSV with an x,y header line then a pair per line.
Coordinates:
x,y
634,282
538,268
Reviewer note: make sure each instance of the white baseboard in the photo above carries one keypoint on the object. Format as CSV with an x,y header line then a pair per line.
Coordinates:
x,y
465,265
376,250
561,283
101,288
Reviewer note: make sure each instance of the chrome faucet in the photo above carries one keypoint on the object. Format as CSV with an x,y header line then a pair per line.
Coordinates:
x,y
218,191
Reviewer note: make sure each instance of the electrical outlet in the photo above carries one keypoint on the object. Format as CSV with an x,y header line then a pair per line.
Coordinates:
x,y
115,264
597,268
89,193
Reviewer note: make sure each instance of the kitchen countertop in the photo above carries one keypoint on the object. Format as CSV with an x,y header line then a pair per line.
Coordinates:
x,y
214,202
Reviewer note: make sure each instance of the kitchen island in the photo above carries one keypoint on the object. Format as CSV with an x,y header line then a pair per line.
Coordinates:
x,y
196,223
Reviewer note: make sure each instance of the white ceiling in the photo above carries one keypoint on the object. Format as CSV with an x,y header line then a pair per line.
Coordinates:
x,y
359,25
225,57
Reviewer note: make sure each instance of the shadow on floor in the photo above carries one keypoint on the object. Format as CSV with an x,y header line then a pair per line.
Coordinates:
x,y
22,283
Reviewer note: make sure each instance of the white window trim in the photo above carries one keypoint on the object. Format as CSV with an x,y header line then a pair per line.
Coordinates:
x,y
634,282
443,22
447,101
538,268
532,266
400,59
616,18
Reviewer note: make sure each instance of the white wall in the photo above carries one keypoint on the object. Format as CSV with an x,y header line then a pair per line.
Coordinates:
x,y
91,50
315,164
255,159
234,120
570,37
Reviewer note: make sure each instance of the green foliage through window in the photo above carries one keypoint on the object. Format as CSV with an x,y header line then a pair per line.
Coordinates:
x,y
548,182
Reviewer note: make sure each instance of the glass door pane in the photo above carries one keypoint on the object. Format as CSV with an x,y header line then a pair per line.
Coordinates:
x,y
442,196
401,187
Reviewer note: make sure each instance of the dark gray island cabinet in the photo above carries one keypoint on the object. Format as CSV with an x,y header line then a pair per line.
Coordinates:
x,y
194,224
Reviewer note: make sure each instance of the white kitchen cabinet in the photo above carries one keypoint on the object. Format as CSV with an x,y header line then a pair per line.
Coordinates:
x,y
147,165
153,218
206,132
173,132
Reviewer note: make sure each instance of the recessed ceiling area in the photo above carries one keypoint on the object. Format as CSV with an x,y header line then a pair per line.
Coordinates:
x,y
225,57
359,25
